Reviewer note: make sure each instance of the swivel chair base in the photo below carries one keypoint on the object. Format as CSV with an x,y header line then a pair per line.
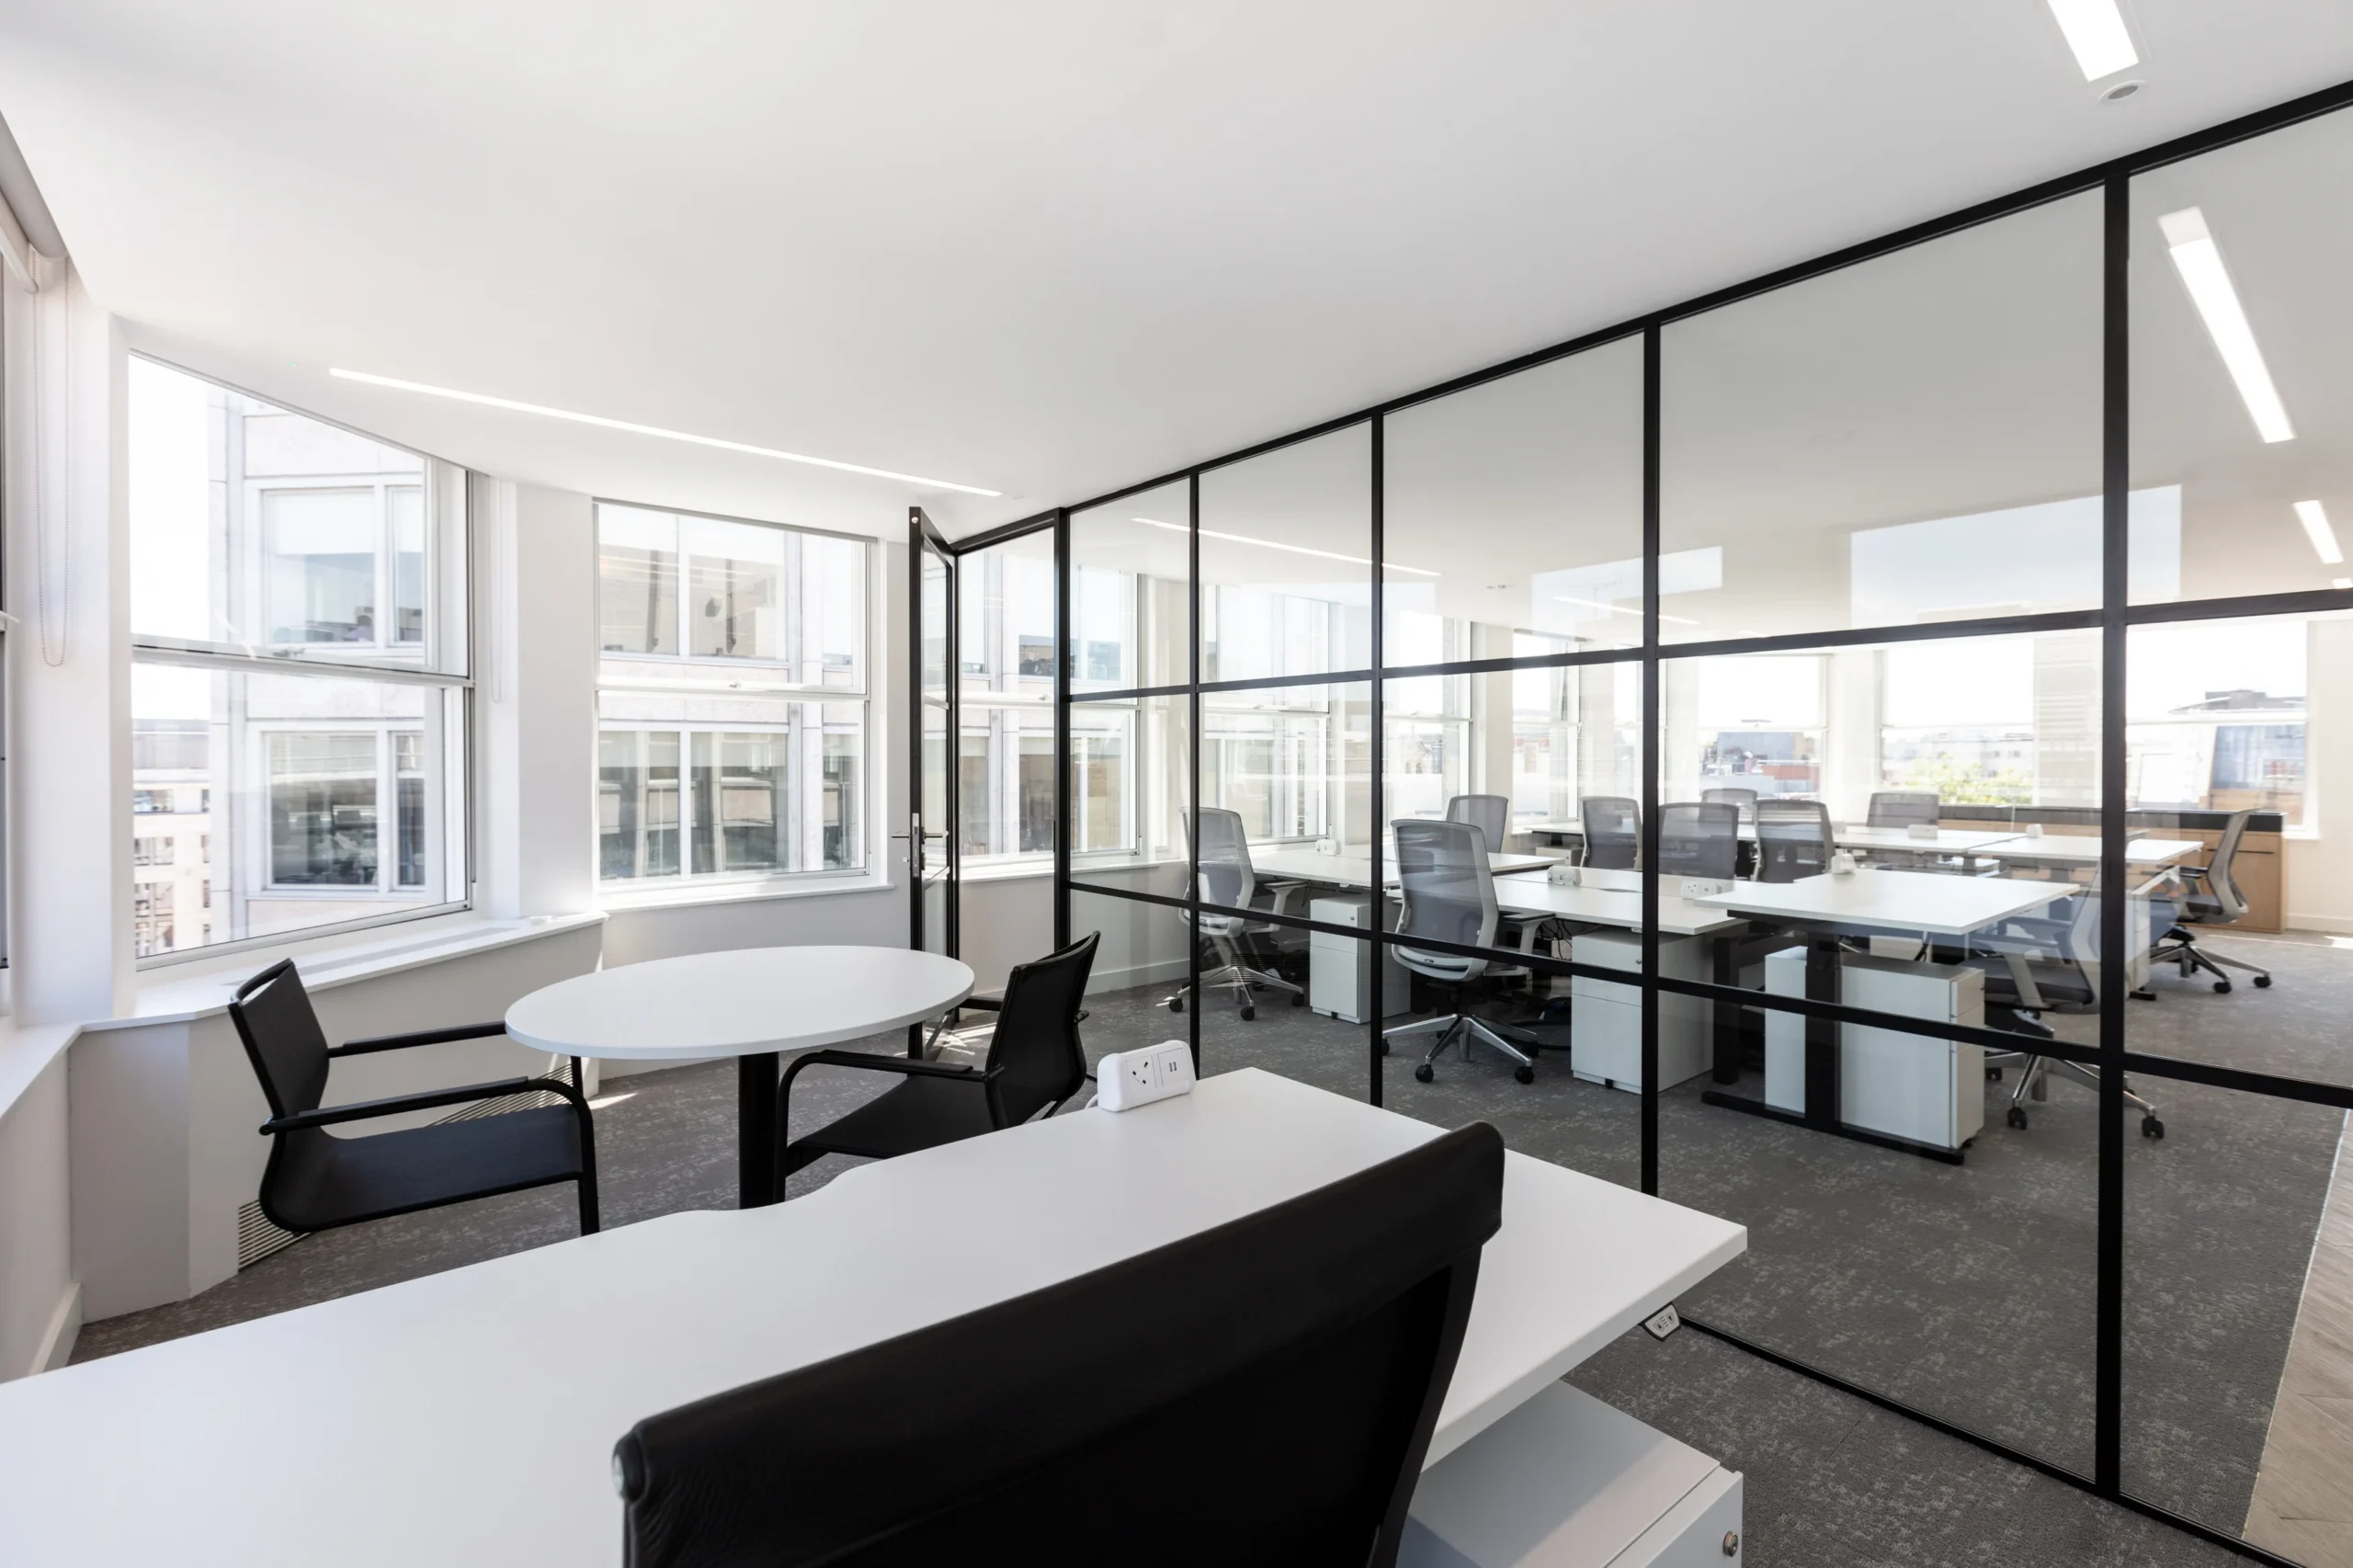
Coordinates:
x,y
1513,1044
1241,980
2034,1079
2179,947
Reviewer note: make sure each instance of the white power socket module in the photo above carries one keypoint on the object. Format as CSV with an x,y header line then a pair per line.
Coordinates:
x,y
1126,1079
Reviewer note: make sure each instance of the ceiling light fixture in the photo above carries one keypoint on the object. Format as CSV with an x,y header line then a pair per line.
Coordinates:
x,y
636,429
1294,549
2200,261
1621,609
2096,31
2317,529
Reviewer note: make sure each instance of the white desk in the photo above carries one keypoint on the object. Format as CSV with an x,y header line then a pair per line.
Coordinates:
x,y
1354,869
2074,851
1611,898
467,1418
748,1003
1965,843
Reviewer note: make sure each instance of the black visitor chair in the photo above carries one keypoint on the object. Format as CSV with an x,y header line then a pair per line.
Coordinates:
x,y
315,1181
1288,1366
1035,1062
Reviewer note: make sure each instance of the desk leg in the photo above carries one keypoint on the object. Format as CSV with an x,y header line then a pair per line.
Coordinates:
x,y
756,1079
1821,1034
1727,1014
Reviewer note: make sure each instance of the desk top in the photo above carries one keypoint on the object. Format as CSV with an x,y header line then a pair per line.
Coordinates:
x,y
1849,835
738,1002
469,1418
1355,870
1929,901
2083,849
1610,898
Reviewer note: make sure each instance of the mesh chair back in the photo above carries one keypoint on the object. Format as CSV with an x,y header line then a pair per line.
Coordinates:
x,y
1301,1354
1491,815
1744,800
1699,838
2219,881
1446,892
282,1039
1035,1042
1905,808
1612,827
1793,840
1224,848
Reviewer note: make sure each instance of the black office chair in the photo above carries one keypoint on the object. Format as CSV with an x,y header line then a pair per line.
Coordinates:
x,y
1793,840
1699,838
1612,829
1446,892
2211,896
1491,815
1262,1393
1904,808
1035,1062
315,1181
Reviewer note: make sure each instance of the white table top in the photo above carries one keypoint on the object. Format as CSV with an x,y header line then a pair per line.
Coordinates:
x,y
1611,898
1355,870
738,1002
1852,836
2083,849
1929,901
469,1418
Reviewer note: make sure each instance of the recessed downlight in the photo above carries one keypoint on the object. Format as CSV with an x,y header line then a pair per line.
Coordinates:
x,y
2122,91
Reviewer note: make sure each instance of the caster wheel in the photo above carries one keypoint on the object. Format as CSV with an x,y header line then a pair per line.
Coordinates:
x,y
1248,1013
2017,1118
1299,999
1525,1075
1384,1048
2221,988
1175,1004
2151,1127
1425,1072
1993,1074
2263,982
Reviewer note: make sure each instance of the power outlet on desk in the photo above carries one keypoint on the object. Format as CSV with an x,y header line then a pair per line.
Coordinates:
x,y
1126,1079
1665,1321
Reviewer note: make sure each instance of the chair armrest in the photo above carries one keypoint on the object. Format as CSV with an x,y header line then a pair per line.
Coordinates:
x,y
420,1037
906,1066
982,1004
363,1110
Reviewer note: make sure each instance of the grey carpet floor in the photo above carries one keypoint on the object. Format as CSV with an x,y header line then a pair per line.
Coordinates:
x,y
1964,1290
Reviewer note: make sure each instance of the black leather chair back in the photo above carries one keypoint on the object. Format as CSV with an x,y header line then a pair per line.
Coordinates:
x,y
282,1038
1286,1369
1036,1040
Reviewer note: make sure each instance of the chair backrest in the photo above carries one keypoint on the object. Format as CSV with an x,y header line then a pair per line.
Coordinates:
x,y
1793,840
1491,815
1223,845
1904,808
1746,799
1036,1040
2218,879
1613,828
273,1016
1445,891
1289,1367
1699,838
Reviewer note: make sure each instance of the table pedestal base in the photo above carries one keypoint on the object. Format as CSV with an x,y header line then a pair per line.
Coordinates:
x,y
756,1081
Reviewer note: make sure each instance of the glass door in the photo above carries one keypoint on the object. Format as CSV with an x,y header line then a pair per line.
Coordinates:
x,y
931,848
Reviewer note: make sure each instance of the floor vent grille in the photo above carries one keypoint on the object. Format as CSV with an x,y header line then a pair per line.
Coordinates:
x,y
258,1238
504,1102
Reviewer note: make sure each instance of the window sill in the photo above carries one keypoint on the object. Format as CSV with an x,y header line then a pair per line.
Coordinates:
x,y
201,988
1017,872
629,902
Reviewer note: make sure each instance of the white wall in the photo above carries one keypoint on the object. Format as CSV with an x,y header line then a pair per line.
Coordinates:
x,y
1005,921
2320,868
40,1304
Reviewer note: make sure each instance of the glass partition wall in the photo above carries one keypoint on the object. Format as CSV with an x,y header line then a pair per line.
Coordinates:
x,y
1894,703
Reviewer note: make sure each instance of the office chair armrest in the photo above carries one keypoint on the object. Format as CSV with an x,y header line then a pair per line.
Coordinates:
x,y
1283,893
982,1004
420,1037
363,1110
905,1066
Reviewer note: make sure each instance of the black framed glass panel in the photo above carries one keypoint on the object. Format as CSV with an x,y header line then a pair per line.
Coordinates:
x,y
1286,561
1130,595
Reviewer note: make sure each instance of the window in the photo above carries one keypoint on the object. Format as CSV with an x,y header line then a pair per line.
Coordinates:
x,y
1756,724
2215,715
298,602
1006,756
733,707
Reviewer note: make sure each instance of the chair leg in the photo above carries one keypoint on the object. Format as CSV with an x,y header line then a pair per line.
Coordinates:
x,y
588,1224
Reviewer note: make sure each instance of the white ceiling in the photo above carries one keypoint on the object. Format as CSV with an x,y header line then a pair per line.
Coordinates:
x,y
1044,248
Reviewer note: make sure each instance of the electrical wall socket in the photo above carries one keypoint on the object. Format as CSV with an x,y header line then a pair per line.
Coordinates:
x,y
1126,1079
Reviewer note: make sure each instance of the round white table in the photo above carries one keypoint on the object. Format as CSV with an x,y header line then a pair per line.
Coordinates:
x,y
749,1004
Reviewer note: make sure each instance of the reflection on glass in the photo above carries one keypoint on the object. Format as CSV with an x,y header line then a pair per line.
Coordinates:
x,y
739,783
322,809
1512,513
1286,576
1915,438
753,592
1006,671
1132,593
637,580
1128,792
637,803
735,590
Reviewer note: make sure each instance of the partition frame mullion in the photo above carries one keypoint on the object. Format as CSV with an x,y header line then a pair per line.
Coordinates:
x,y
2116,412
1377,909
1648,793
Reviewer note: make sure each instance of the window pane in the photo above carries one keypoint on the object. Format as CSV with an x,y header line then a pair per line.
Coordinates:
x,y
322,564
1513,513
740,801
1885,444
735,590
637,580
263,804
1128,795
1132,593
637,803
1006,667
407,504
2242,324
1286,576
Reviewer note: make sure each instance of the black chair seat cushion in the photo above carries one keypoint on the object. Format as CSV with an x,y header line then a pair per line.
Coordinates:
x,y
912,1115
346,1179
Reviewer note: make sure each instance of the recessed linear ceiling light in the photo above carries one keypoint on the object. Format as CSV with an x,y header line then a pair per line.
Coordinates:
x,y
2317,529
635,429
2096,31
1294,549
2200,261
1621,609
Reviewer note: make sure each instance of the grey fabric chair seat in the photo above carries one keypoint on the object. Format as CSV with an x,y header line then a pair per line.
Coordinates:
x,y
336,1181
